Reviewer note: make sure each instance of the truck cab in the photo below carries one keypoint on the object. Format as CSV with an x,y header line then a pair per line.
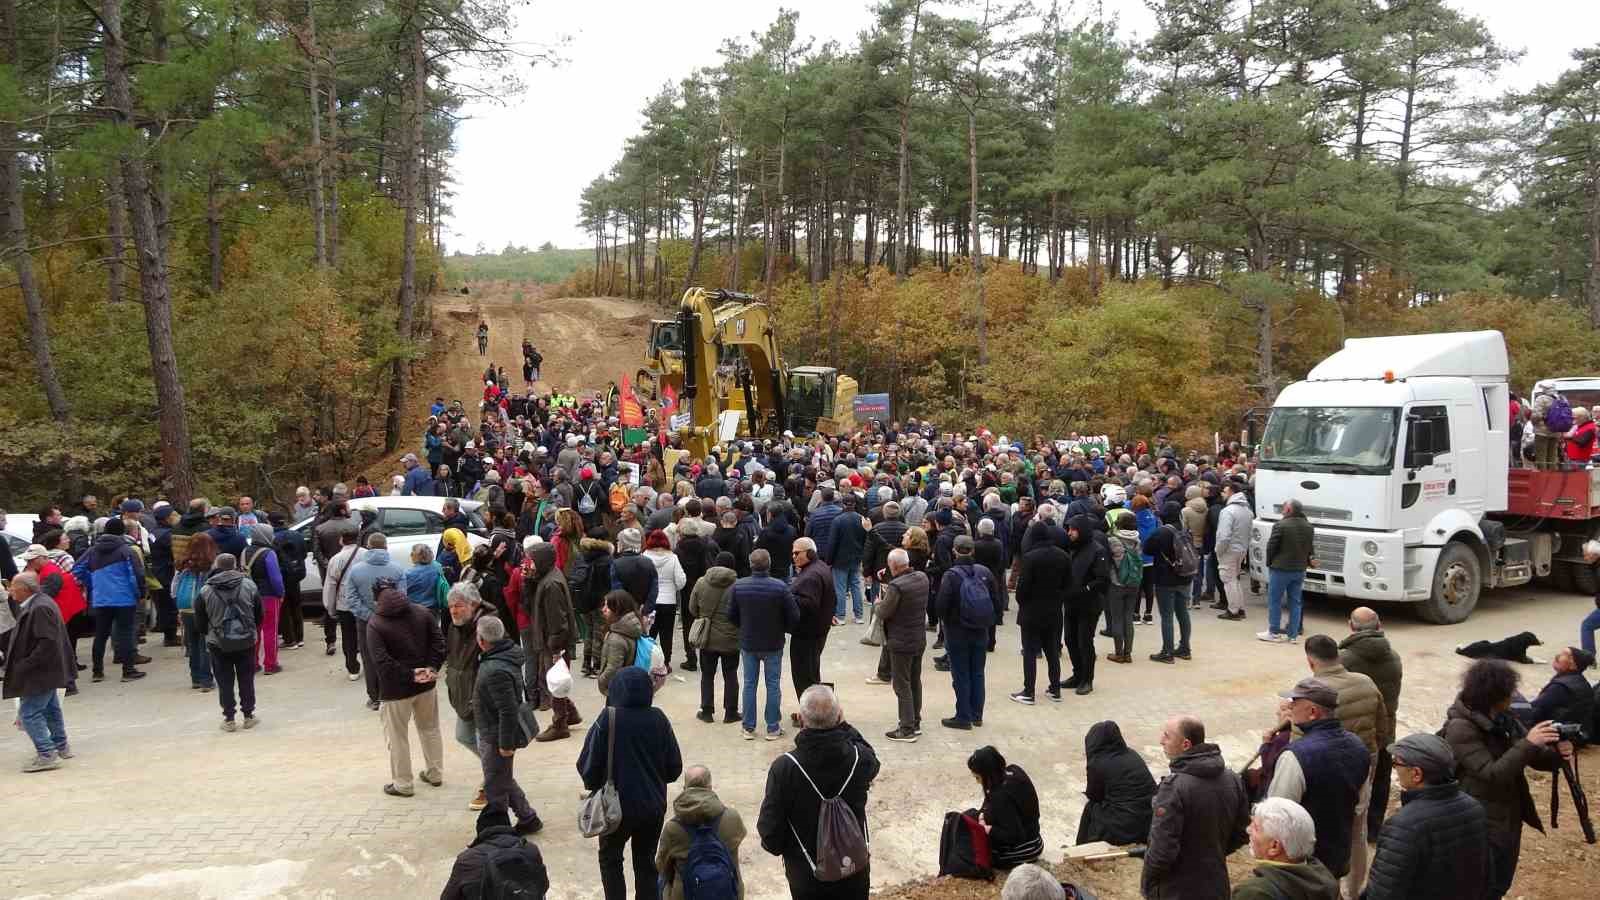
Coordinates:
x,y
1397,449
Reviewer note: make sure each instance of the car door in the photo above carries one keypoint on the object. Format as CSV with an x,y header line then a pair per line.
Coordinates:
x,y
406,528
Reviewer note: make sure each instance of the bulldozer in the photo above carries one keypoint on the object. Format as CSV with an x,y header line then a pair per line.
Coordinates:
x,y
719,354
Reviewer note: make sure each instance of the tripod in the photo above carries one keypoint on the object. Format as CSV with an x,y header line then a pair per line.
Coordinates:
x,y
1580,800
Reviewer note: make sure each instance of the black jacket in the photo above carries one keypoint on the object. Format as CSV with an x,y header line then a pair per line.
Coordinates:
x,y
778,538
1012,812
647,750
1091,568
1435,848
1160,548
695,557
736,541
1119,789
636,574
1568,697
949,599
764,609
1199,816
1289,546
814,599
1042,583
883,537
402,637
495,695
841,763
466,876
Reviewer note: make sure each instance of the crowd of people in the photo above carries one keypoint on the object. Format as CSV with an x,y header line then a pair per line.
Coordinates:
x,y
620,564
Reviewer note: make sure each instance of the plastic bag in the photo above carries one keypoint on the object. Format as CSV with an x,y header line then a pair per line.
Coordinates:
x,y
559,678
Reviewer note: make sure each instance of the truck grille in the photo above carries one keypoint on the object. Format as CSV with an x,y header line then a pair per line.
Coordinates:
x,y
1329,551
1330,513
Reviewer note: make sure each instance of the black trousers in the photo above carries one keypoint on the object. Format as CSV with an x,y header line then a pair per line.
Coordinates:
x,y
1147,590
166,613
803,885
1380,797
1078,634
805,661
237,667
291,618
730,681
115,622
349,638
662,630
1034,642
645,835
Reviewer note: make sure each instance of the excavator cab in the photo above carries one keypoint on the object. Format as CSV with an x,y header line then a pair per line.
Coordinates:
x,y
665,335
810,397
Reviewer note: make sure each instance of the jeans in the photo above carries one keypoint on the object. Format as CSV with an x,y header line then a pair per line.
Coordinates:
x,y
1586,630
645,834
267,633
467,736
237,667
41,719
1034,642
770,667
805,661
1197,585
1122,604
194,644
1229,568
500,786
907,670
847,579
1079,633
967,658
730,681
1279,583
115,622
1174,602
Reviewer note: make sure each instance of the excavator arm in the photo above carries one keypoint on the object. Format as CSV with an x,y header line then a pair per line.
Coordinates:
x,y
710,321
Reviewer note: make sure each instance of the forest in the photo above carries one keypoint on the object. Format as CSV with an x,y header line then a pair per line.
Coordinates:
x,y
220,224
1007,210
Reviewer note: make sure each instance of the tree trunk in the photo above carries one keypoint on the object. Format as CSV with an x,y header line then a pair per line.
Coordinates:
x,y
976,244
318,211
1592,285
176,467
898,234
410,178
331,210
16,235
116,230
777,217
213,234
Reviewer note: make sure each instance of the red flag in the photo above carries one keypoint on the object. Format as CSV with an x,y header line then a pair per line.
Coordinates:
x,y
629,412
669,405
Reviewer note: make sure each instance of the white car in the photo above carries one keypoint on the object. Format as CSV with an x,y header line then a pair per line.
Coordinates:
x,y
18,534
405,521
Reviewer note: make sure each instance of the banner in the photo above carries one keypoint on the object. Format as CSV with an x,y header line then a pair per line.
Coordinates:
x,y
669,405
871,406
629,413
1085,444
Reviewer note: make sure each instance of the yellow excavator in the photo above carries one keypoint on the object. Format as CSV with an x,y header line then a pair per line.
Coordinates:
x,y
720,354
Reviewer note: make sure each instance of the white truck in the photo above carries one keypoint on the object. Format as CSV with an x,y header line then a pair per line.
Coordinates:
x,y
1398,450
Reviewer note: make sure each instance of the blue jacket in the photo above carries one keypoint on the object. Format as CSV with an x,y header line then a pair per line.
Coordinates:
x,y
229,538
417,483
360,581
110,573
847,541
819,527
764,610
648,758
422,584
1334,763
1147,523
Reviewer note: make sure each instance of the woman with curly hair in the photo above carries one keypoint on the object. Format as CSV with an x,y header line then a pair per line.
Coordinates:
x,y
1493,751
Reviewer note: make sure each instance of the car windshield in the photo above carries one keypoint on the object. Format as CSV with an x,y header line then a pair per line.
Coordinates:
x,y
1331,437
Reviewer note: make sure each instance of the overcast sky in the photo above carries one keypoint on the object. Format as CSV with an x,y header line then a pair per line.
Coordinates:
x,y
520,166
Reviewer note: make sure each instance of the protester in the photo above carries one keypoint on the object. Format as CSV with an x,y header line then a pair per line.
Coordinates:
x,y
969,604
1325,772
647,758
1288,555
290,544
670,579
633,572
847,543
1232,541
813,589
38,658
1200,815
113,581
624,629
462,660
1119,789
405,651
200,554
764,609
368,571
497,693
1367,652
1437,846
902,608
1172,592
552,634
1125,571
1086,598
337,611
698,807
1281,839
228,614
1568,696
1010,810
260,562
1042,584
1361,709
1492,750
830,760
513,854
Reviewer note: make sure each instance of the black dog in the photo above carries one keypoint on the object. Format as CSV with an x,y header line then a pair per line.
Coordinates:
x,y
1512,649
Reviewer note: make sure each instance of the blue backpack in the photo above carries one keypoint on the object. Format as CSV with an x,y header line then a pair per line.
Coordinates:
x,y
977,607
642,650
707,871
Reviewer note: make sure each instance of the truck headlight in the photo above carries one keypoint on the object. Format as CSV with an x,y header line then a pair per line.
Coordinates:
x,y
1370,548
1369,569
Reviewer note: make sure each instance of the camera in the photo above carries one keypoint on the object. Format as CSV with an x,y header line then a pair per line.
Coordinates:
x,y
1568,731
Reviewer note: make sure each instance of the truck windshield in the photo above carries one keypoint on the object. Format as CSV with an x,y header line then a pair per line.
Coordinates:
x,y
1357,439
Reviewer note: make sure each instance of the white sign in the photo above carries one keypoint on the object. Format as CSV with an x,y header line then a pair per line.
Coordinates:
x,y
680,421
628,473
728,424
1085,444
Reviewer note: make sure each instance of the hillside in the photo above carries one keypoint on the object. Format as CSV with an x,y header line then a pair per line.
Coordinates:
x,y
547,265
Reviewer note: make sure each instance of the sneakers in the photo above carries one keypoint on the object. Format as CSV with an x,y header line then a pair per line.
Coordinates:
x,y
1055,696
1294,640
65,751
393,791
749,733
432,778
479,802
938,643
43,762
837,621
250,721
230,725
901,735
874,679
1270,638
272,670
775,735
1024,699
860,620
355,676
329,651
133,674
373,705
705,715
957,724
1163,658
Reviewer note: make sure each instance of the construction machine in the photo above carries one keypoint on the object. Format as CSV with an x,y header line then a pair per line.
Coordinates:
x,y
719,355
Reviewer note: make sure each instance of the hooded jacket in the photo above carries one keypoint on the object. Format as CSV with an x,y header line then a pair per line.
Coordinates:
x,y
1436,847
403,637
496,691
221,589
1091,566
1193,517
462,658
262,557
553,619
618,649
1233,526
1308,880
709,599
466,876
814,598
1492,759
1199,816
1368,653
903,605
840,762
110,573
361,581
1119,789
1042,582
647,750
1011,811
697,806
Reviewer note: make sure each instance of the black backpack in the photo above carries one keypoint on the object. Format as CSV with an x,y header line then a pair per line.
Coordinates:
x,y
512,868
964,848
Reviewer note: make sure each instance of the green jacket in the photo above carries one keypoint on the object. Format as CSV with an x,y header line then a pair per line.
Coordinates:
x,y
696,806
1369,653
1289,547
1309,880
709,598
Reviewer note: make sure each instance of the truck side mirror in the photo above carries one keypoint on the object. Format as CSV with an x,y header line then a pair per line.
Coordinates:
x,y
1418,432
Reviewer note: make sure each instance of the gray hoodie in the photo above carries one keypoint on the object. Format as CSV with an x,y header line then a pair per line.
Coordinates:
x,y
360,583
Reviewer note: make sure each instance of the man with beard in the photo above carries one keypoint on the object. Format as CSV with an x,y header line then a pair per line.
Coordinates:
x,y
462,655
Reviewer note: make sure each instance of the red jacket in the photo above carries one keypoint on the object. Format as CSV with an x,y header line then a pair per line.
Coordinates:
x,y
513,593
1581,446
70,599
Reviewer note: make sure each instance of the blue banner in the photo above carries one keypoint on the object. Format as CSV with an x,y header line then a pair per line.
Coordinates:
x,y
870,406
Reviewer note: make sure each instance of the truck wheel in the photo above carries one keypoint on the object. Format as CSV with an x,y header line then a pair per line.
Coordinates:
x,y
1457,582
1583,579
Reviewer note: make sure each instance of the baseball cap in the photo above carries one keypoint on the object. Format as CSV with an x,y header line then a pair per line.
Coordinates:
x,y
132,505
1427,752
1316,691
964,544
34,551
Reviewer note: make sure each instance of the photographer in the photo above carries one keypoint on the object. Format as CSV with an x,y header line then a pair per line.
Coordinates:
x,y
1492,750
